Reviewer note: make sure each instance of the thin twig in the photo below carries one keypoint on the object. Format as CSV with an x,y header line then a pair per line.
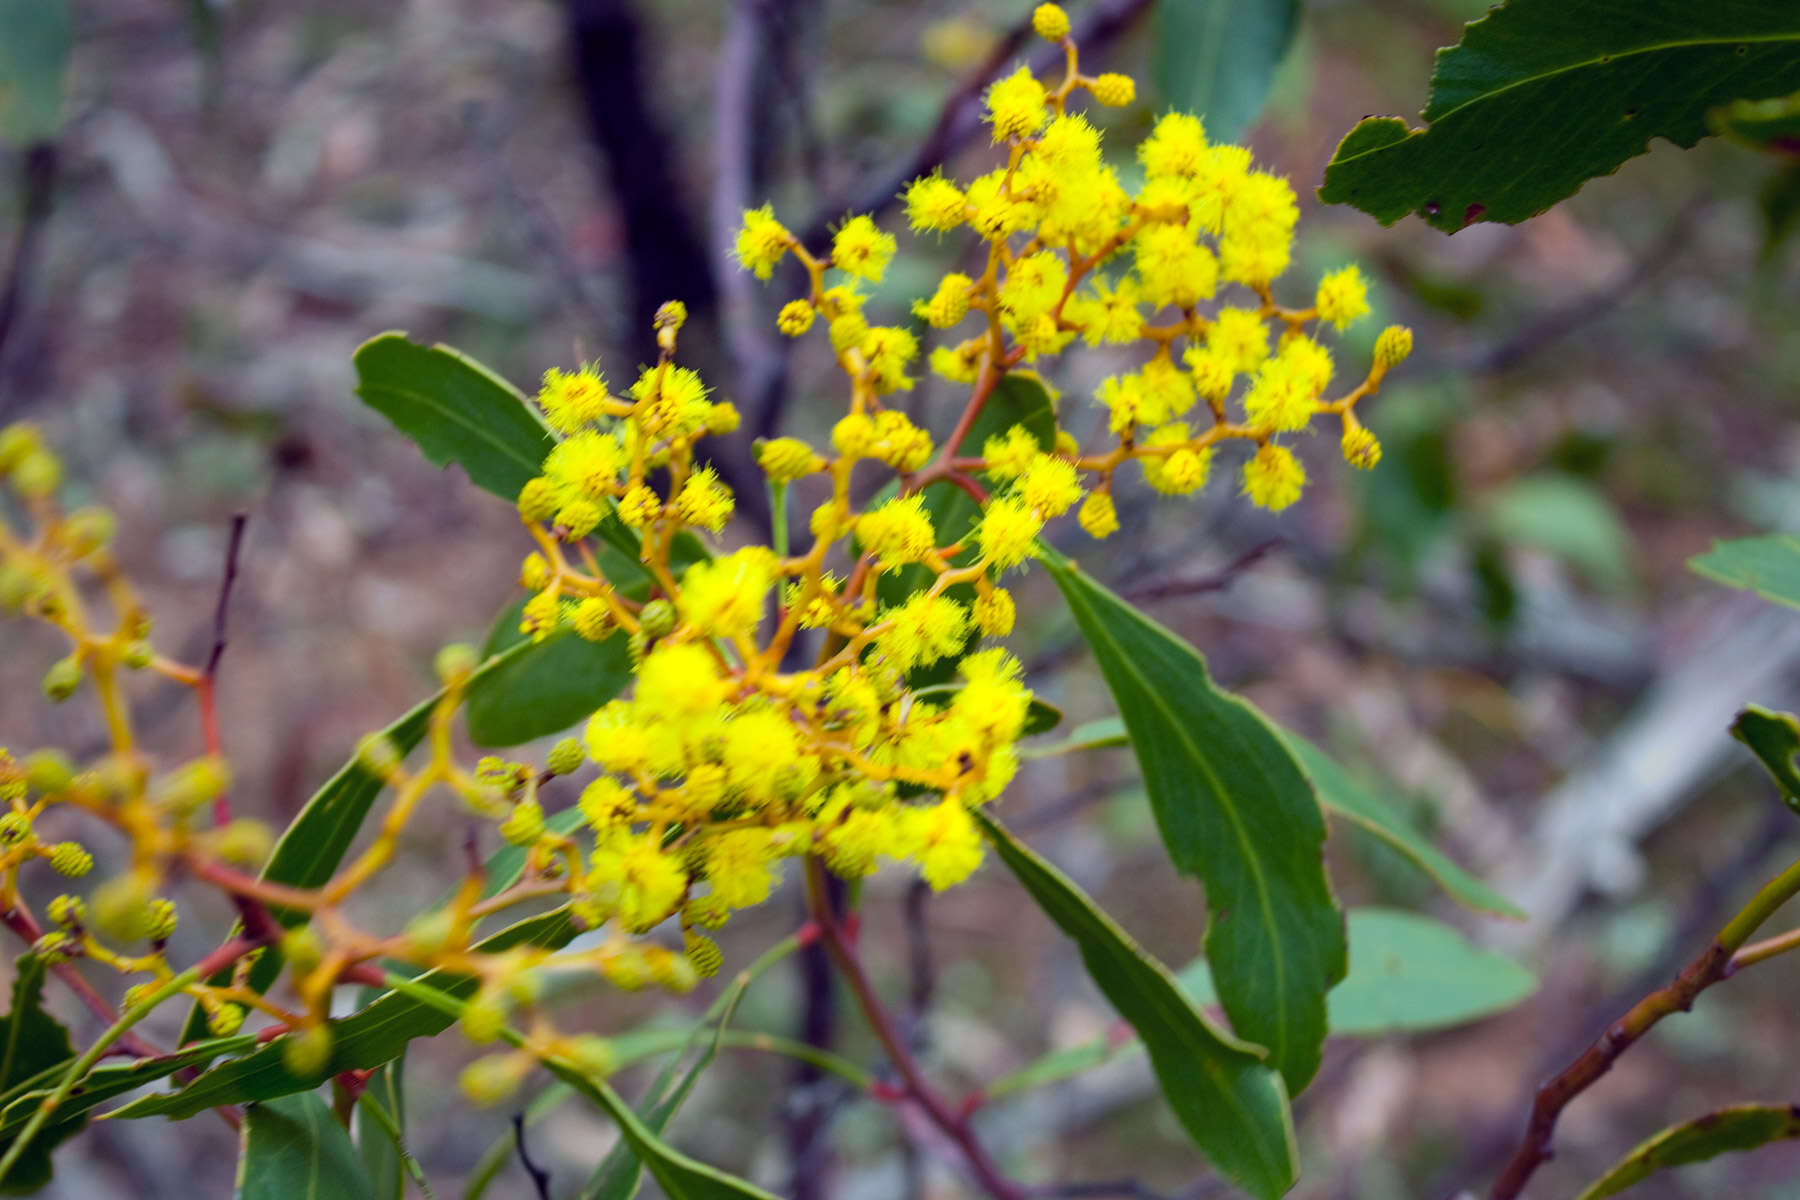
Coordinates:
x,y
207,689
540,1178
954,1125
37,182
1217,581
1712,965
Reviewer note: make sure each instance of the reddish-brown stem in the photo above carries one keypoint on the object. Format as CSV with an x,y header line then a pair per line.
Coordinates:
x,y
840,945
21,923
206,689
1713,964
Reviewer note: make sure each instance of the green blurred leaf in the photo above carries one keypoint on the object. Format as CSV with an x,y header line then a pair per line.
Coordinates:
x,y
31,1044
293,1147
546,686
1103,734
1772,124
1236,811
1767,565
367,1038
1342,794
456,410
1774,737
1217,58
35,39
104,1083
1231,1104
1744,1127
1779,202
1541,95
382,1150
1408,974
1564,516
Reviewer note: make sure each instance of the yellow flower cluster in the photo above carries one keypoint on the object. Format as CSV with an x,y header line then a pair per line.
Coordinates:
x,y
726,759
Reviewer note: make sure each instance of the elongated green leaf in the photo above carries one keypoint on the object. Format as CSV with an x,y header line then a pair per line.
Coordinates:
x,y
1767,565
294,1149
365,1039
1567,517
1103,734
1216,58
1236,811
1743,1127
1341,794
35,38
457,411
381,1149
546,686
31,1044
104,1083
1540,96
1407,974
1774,737
1230,1103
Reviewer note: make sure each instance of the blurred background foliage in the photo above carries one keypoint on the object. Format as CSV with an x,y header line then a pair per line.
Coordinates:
x,y
1494,628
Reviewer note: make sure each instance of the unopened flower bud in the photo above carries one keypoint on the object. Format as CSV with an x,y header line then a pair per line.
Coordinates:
x,y
1392,347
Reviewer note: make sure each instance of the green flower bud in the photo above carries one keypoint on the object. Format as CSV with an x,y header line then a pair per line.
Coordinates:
x,y
68,910
48,771
86,530
161,920
71,859
493,1078
377,755
15,827
657,618
121,909
192,785
61,680
225,1019
484,1017
590,1054
245,842
137,654
302,949
537,499
525,824
566,757
17,443
38,476
307,1052
455,663
53,947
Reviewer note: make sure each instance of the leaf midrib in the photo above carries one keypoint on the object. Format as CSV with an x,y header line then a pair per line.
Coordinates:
x,y
1606,60
453,415
1249,857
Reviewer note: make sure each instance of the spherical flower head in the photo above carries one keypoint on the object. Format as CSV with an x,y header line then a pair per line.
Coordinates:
x,y
1070,146
607,804
935,204
1114,90
639,506
949,304
1183,470
1175,147
1273,478
652,883
861,249
1110,315
1009,454
724,597
1008,532
525,824
739,864
899,532
1049,486
1050,22
1173,268
538,500
762,241
572,400
576,519
922,630
1393,346
541,616
899,443
1098,515
795,318
1166,392
961,363
847,331
680,680
786,459
1343,297
1210,372
1279,397
887,349
1017,105
944,842
1239,336
1361,449
994,612
1033,285
704,500
593,620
